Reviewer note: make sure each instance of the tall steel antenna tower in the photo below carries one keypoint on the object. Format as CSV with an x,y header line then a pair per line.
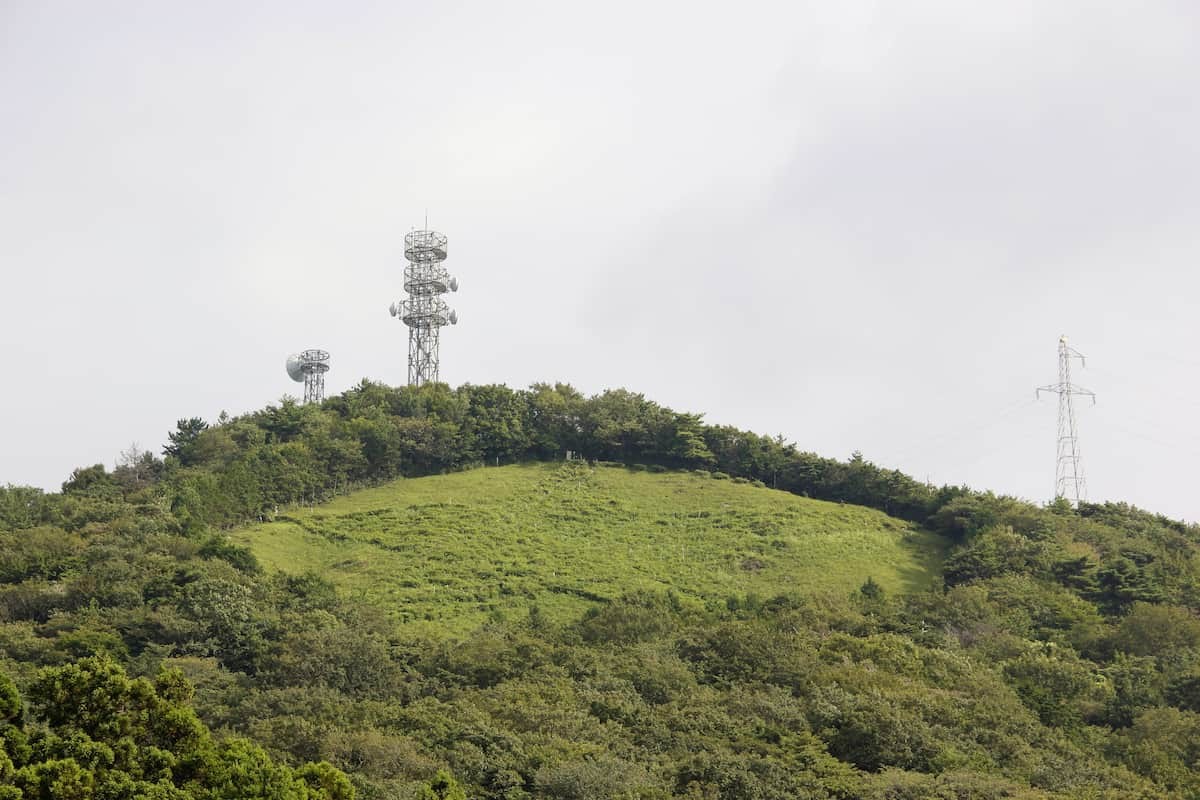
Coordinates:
x,y
424,311
1068,479
310,367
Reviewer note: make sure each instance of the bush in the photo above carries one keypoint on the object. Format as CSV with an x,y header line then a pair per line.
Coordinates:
x,y
240,557
632,618
1153,630
601,779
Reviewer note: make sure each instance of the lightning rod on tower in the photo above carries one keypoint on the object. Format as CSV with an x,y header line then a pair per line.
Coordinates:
x,y
424,311
1068,479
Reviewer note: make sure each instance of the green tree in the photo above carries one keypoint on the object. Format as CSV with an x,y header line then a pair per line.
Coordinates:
x,y
93,481
183,440
23,507
555,419
1157,630
103,735
442,787
496,422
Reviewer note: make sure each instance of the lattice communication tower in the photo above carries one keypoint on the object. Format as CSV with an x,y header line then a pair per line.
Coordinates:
x,y
424,311
310,367
1068,479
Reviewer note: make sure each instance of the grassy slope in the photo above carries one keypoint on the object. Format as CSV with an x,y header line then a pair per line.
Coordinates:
x,y
454,549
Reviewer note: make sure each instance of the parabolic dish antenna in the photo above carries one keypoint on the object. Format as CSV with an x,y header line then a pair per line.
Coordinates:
x,y
295,367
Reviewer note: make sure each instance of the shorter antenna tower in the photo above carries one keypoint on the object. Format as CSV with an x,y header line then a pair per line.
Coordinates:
x,y
1068,479
424,311
310,367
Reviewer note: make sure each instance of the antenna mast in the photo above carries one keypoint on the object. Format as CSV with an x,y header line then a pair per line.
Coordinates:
x,y
1068,479
424,311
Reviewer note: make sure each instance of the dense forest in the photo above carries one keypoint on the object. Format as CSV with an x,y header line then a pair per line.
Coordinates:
x,y
1058,656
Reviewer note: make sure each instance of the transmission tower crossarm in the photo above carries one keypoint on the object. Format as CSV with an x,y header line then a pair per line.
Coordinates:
x,y
1072,388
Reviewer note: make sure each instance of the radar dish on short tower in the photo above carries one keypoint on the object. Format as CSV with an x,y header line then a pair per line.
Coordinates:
x,y
309,367
424,311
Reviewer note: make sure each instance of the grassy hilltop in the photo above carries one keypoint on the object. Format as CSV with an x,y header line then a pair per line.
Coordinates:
x,y
336,601
457,549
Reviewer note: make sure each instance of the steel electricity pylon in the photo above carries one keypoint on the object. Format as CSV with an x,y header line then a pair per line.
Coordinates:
x,y
1068,479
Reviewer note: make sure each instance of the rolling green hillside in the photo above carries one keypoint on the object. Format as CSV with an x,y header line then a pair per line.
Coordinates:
x,y
563,631
456,549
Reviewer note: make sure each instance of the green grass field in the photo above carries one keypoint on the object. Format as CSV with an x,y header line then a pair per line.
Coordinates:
x,y
449,551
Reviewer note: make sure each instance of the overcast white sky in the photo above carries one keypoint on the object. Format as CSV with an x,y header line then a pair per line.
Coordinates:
x,y
863,225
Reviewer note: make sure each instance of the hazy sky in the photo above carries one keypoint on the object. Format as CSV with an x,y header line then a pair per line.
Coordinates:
x,y
863,225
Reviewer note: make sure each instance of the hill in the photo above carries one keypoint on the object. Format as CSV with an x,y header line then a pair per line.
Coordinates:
x,y
344,583
459,549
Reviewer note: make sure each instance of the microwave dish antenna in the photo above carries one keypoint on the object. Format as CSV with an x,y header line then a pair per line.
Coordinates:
x,y
295,367
309,367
